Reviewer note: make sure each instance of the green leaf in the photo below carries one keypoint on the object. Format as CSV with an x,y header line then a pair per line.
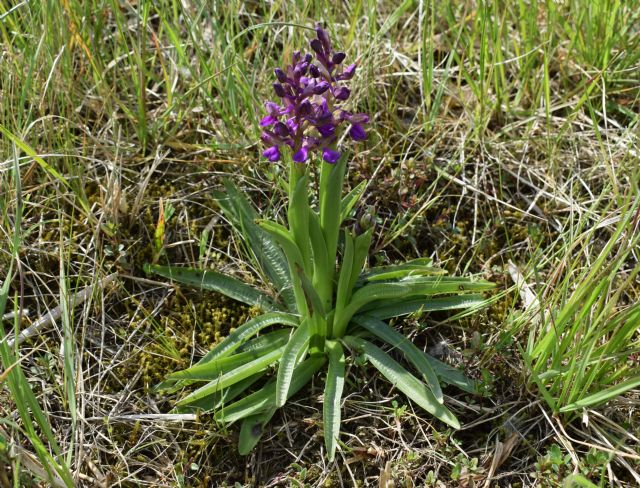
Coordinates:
x,y
234,376
332,396
386,309
321,281
417,267
216,400
361,251
259,245
212,370
343,292
265,398
403,380
298,211
252,430
411,352
212,280
604,395
294,258
420,286
236,338
289,359
349,201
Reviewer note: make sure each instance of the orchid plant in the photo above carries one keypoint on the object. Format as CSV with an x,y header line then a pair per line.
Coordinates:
x,y
320,301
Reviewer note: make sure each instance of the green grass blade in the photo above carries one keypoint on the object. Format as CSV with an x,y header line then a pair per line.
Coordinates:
x,y
212,280
411,352
332,396
403,380
290,358
604,395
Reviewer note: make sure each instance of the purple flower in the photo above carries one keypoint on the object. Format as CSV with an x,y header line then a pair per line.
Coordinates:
x,y
272,153
357,132
310,117
330,156
301,155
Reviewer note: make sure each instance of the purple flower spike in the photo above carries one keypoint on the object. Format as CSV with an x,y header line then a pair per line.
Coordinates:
x,y
357,132
272,154
330,156
301,155
310,117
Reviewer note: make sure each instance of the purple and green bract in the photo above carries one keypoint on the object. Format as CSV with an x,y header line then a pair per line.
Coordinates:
x,y
321,301
310,116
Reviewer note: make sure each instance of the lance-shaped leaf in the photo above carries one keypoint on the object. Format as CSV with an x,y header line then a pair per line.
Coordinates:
x,y
332,396
350,200
252,429
233,341
443,371
216,400
234,376
421,286
265,398
403,380
386,309
321,281
294,258
408,348
417,267
212,280
212,370
289,359
259,245
236,338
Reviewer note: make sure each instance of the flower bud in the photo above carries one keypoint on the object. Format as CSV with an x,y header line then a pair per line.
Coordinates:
x,y
281,130
305,108
279,89
330,156
338,58
341,93
281,75
316,45
368,219
323,37
315,72
321,87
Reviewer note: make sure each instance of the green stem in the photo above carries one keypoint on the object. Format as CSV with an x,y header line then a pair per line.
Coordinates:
x,y
298,212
